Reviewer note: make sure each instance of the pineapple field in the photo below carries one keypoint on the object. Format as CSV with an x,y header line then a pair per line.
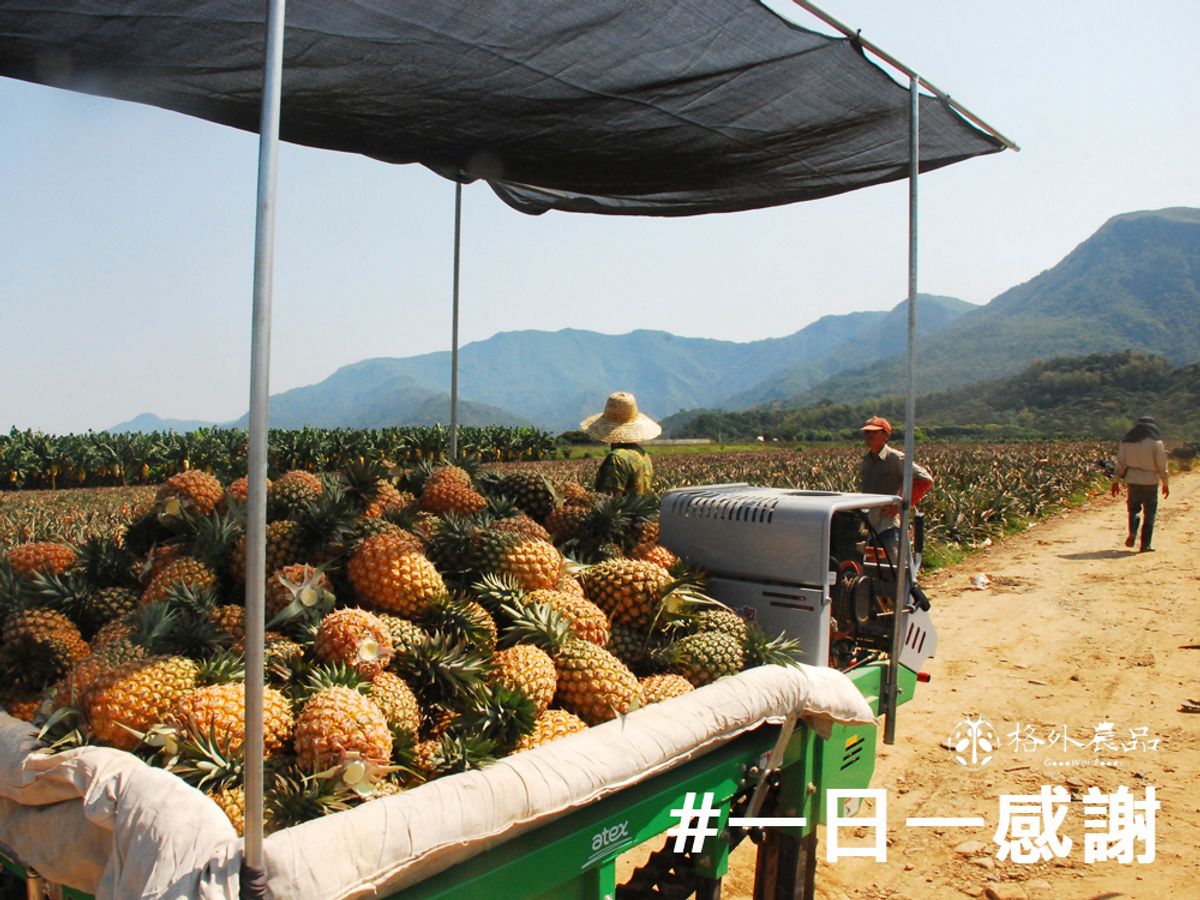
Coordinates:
x,y
422,619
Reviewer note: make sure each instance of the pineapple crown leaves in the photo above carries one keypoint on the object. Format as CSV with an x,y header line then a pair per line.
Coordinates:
x,y
538,624
16,593
222,667
64,729
105,562
682,598
495,590
63,592
455,753
449,615
328,519
500,505
211,538
200,756
501,715
184,626
442,671
293,798
323,676
362,476
762,650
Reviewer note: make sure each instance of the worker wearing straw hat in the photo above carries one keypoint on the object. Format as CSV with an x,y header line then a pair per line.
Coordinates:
x,y
627,468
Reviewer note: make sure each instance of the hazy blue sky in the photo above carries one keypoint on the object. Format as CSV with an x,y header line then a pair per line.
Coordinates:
x,y
127,231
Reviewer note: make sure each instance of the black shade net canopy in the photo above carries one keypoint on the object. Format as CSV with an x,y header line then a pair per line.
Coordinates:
x,y
639,107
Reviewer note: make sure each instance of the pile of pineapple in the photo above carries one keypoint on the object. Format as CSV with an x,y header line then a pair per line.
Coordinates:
x,y
420,622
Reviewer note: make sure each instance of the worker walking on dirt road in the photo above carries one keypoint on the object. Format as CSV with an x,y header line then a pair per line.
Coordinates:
x,y
1141,464
882,472
627,468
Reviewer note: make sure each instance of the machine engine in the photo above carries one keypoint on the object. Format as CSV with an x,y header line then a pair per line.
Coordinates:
x,y
806,563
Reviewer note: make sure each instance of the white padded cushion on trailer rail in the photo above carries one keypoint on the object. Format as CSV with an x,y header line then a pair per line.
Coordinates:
x,y
166,840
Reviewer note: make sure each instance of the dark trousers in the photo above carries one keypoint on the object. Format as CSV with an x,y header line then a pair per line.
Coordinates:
x,y
1142,497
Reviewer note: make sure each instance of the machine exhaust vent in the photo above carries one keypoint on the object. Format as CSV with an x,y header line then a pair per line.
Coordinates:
x,y
738,508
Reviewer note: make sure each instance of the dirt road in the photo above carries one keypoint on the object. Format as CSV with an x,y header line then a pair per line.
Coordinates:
x,y
1075,631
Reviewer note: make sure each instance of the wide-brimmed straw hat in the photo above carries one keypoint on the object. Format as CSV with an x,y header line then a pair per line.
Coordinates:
x,y
621,423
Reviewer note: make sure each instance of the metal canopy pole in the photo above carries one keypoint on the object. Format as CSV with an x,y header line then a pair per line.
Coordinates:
x,y
910,419
454,325
857,37
256,488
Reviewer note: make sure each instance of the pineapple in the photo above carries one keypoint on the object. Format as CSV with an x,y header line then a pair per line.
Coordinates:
x,y
524,526
285,547
354,637
550,726
185,571
629,591
220,710
238,490
22,706
39,647
135,695
586,619
655,553
664,687
528,670
704,657
397,702
338,721
720,619
573,491
388,573
48,557
633,647
592,683
532,562
109,604
568,521
404,633
452,547
449,489
368,482
232,801
530,491
191,492
448,754
291,491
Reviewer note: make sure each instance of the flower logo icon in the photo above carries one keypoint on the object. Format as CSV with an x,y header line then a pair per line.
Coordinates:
x,y
973,742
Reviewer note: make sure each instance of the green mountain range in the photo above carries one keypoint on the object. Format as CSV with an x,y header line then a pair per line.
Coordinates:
x,y
1133,285
1098,396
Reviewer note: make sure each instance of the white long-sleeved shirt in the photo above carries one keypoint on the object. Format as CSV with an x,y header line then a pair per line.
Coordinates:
x,y
1142,463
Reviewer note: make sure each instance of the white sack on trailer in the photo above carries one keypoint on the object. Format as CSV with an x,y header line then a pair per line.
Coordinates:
x,y
104,822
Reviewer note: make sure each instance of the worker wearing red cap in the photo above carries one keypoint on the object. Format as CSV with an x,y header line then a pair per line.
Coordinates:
x,y
882,472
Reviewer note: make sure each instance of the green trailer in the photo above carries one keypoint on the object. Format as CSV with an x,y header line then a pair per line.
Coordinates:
x,y
779,770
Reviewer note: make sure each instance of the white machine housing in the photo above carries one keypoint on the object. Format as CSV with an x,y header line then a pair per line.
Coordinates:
x,y
768,555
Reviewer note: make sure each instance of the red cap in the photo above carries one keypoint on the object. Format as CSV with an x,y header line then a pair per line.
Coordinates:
x,y
878,423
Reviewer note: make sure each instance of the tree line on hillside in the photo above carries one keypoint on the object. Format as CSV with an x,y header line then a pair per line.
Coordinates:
x,y
1095,396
